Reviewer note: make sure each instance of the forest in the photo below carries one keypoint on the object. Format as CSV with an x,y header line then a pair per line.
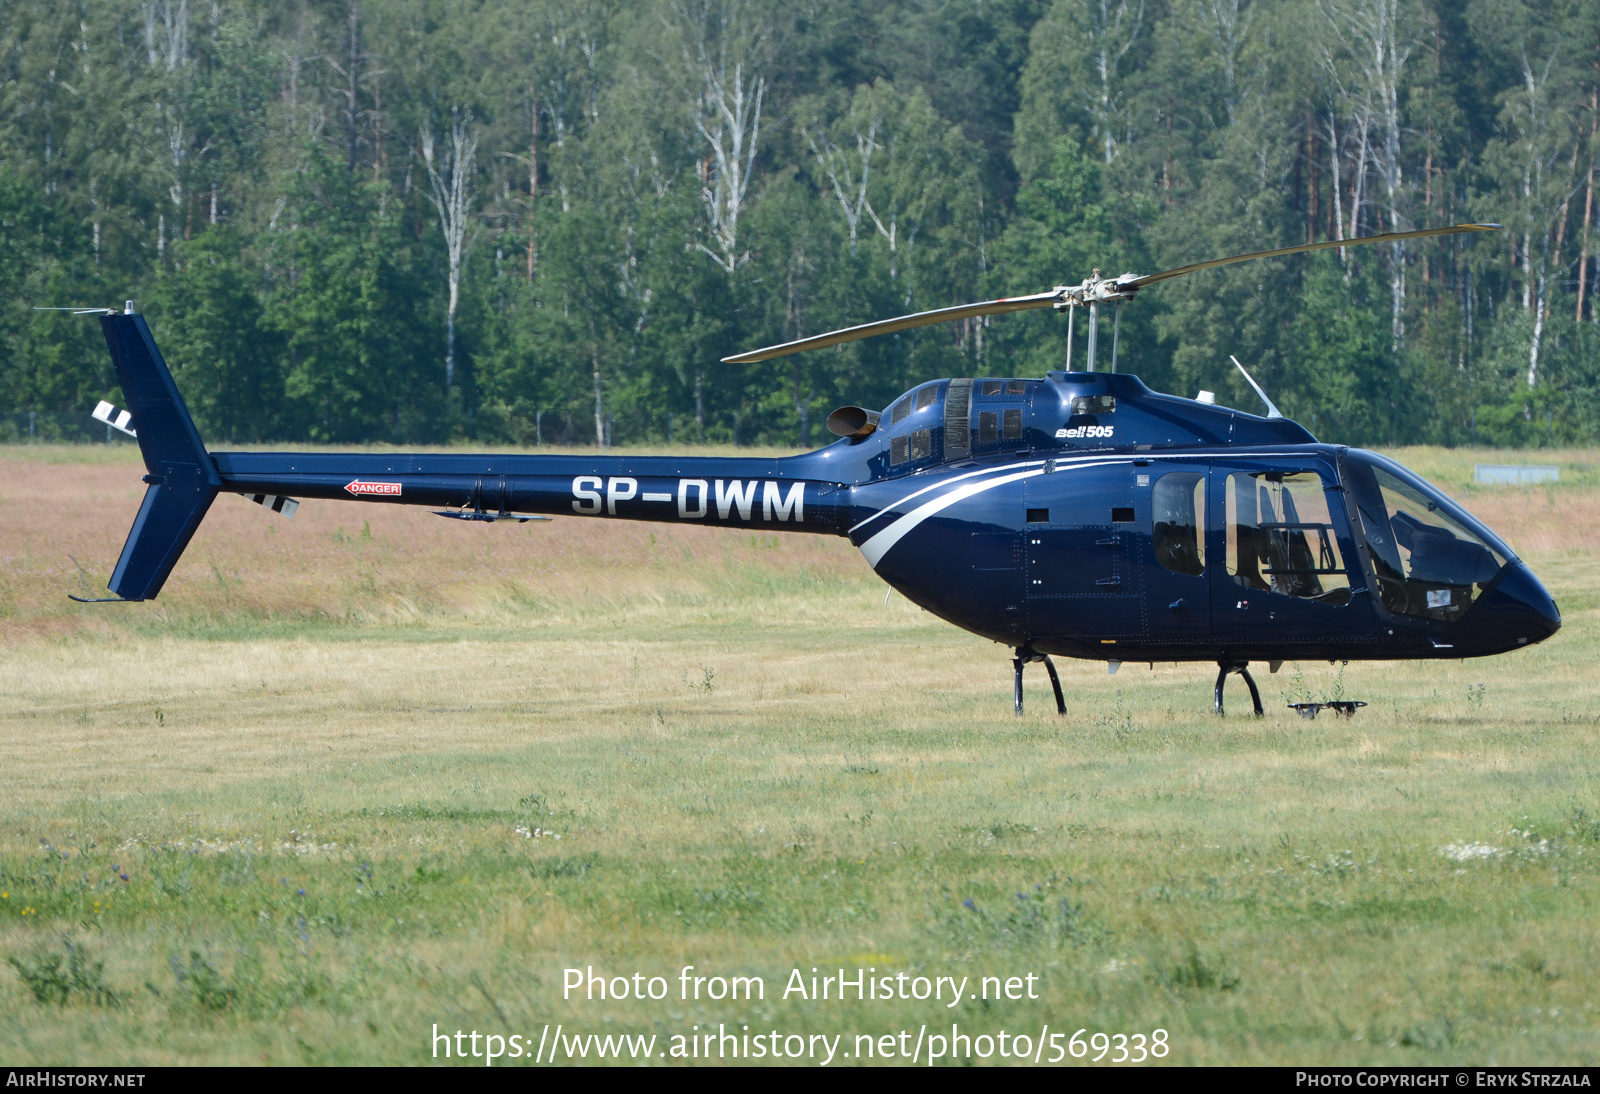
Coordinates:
x,y
546,221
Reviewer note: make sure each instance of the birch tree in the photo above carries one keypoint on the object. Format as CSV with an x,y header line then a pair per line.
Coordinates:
x,y
451,191
1228,24
847,174
1379,37
724,49
1536,159
1113,27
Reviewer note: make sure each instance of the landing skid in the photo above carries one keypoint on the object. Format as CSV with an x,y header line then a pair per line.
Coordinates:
x,y
1243,669
1022,658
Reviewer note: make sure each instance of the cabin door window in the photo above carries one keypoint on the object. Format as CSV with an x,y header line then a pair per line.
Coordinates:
x,y
1281,537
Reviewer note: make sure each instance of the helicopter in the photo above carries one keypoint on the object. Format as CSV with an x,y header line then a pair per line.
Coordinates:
x,y
1080,514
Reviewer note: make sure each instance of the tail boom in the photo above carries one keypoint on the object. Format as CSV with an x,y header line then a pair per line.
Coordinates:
x,y
183,478
738,492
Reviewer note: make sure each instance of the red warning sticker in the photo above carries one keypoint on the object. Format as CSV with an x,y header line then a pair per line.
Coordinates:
x,y
358,487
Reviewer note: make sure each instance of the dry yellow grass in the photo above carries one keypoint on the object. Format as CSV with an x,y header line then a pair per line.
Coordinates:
x,y
754,765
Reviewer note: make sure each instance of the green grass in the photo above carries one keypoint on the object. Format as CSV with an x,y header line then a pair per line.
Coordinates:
x,y
754,766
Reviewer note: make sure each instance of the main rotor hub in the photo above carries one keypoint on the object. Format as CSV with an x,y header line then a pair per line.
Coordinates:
x,y
1096,290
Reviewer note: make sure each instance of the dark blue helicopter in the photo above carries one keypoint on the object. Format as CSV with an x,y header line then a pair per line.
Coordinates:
x,y
1081,514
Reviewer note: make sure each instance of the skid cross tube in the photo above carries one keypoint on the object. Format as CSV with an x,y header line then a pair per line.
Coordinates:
x,y
1243,669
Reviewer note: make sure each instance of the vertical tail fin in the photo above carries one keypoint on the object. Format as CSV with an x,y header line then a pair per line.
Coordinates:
x,y
182,476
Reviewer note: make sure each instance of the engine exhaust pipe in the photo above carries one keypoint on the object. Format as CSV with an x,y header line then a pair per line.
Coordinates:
x,y
853,421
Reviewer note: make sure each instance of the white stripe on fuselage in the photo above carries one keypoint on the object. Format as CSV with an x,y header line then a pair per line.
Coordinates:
x,y
878,545
943,483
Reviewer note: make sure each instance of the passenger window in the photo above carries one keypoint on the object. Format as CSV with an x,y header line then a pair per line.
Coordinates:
x,y
992,387
1281,537
1178,505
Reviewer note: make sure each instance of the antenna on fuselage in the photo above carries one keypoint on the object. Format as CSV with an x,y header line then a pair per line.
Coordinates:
x,y
1272,411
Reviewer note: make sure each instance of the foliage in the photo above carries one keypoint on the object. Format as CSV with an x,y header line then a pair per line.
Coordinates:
x,y
62,978
254,177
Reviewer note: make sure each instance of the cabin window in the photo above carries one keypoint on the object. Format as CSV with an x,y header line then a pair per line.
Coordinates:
x,y
1424,562
1178,512
1017,387
1094,404
988,427
993,387
1281,537
1038,516
1012,423
901,409
927,395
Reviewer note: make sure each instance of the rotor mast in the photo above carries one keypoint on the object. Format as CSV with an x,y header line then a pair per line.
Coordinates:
x,y
1093,292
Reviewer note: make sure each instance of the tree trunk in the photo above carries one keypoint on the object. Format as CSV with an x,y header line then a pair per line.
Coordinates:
x,y
352,75
450,331
1588,204
1313,180
533,186
699,405
1538,333
1336,190
599,396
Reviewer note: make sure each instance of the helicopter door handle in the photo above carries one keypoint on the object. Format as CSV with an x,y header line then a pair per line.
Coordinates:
x,y
1109,581
1112,542
1176,605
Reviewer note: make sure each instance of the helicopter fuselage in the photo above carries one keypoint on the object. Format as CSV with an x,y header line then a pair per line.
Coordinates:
x,y
1081,515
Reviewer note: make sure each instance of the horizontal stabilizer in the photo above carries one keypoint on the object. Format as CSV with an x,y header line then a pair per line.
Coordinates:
x,y
116,419
277,503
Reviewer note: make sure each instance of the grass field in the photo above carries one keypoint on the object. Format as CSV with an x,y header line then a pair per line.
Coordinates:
x,y
368,771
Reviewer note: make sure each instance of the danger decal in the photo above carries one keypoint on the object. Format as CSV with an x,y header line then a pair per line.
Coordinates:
x,y
360,488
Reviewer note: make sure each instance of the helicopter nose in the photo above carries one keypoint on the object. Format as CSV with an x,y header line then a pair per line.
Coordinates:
x,y
1518,611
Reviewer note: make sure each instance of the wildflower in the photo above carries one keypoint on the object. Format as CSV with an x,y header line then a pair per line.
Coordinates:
x,y
1466,852
967,903
300,892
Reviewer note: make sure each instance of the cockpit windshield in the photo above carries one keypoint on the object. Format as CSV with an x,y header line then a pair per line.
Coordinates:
x,y
1428,557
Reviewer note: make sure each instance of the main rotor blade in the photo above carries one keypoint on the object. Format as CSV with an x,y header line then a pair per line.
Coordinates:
x,y
904,322
1047,299
1391,237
